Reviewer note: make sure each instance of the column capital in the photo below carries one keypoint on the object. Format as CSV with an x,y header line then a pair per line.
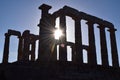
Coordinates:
x,y
45,7
7,35
26,33
90,22
112,30
101,26
20,37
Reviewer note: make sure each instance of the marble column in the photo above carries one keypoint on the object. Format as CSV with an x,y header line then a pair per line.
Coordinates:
x,y
43,49
104,52
26,45
73,53
92,47
20,54
53,54
53,46
6,48
78,41
33,51
114,51
62,47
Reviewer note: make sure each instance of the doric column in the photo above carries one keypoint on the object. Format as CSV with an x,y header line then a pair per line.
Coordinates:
x,y
114,51
73,53
104,52
44,34
53,46
78,41
92,48
62,47
53,55
26,45
20,54
33,51
6,48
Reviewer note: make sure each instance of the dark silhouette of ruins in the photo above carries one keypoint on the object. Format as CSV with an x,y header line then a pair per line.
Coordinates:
x,y
47,66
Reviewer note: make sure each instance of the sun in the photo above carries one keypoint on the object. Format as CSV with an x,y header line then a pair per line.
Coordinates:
x,y
58,33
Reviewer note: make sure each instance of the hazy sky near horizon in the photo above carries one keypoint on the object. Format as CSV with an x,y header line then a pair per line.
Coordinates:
x,y
24,14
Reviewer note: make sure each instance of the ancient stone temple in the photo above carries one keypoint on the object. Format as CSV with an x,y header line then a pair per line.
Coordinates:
x,y
47,66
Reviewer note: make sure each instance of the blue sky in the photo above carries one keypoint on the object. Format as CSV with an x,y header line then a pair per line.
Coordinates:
x,y
24,14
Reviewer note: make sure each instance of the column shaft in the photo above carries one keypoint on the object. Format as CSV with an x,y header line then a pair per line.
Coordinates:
x,y
33,51
104,52
20,54
6,48
92,48
78,42
73,54
53,46
53,55
62,47
114,51
43,45
26,45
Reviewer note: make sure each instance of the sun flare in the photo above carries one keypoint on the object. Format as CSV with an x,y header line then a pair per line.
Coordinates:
x,y
57,33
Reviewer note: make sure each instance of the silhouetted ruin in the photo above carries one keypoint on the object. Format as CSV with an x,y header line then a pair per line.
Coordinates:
x,y
47,50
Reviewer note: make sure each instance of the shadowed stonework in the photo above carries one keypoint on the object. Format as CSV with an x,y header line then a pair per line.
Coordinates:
x,y
47,66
